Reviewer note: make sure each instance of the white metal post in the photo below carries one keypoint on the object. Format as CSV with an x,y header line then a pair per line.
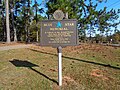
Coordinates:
x,y
60,66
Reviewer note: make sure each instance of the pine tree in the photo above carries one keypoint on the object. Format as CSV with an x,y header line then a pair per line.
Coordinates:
x,y
7,21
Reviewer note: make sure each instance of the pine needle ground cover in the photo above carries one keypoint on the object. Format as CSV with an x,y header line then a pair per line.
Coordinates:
x,y
85,67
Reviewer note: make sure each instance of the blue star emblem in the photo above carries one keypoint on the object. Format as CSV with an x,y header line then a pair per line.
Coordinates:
x,y
59,25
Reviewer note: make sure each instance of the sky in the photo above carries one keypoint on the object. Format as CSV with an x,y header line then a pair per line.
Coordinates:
x,y
115,4
110,4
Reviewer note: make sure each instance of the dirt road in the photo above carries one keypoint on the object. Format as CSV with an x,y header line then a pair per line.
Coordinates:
x,y
14,47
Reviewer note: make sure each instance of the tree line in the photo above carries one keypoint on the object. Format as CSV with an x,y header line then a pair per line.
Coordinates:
x,y
19,21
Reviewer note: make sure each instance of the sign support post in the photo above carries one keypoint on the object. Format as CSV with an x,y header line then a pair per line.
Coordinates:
x,y
59,49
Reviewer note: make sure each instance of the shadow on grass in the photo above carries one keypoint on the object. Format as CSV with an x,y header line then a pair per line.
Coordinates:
x,y
44,76
86,61
20,63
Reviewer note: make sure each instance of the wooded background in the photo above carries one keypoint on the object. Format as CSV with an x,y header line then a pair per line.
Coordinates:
x,y
20,19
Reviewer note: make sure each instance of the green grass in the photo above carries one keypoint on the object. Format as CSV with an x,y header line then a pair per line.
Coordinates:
x,y
79,67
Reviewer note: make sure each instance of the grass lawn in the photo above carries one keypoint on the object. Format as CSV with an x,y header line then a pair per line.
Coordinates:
x,y
85,67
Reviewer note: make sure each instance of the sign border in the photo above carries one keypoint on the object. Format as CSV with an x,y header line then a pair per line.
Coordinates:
x,y
62,45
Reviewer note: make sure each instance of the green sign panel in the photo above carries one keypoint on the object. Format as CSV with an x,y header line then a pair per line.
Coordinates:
x,y
59,33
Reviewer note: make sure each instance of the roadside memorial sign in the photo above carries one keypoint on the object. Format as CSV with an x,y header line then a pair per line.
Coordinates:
x,y
59,33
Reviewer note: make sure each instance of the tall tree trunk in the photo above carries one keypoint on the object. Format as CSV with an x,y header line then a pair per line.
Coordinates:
x,y
7,22
15,34
36,21
28,23
37,34
26,33
15,31
13,26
